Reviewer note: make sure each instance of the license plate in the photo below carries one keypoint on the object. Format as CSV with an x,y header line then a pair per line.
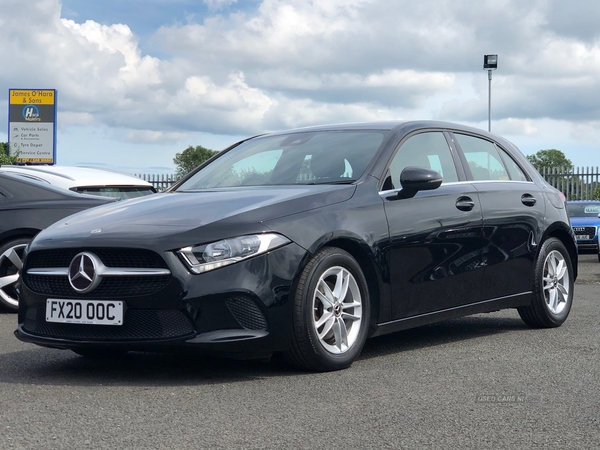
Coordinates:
x,y
582,237
89,312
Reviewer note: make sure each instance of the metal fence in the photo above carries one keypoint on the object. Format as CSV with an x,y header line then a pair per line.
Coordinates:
x,y
159,181
577,183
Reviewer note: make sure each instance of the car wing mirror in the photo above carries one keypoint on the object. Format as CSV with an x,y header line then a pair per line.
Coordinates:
x,y
415,179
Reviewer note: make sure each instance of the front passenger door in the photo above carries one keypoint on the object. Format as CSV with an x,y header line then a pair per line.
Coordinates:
x,y
435,237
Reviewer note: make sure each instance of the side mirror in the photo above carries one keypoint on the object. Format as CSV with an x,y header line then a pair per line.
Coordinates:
x,y
415,179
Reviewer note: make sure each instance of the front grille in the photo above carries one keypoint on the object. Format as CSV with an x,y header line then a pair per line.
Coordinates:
x,y
590,231
111,257
113,287
247,313
109,287
138,325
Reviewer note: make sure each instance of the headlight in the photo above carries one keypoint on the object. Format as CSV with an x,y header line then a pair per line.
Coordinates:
x,y
202,258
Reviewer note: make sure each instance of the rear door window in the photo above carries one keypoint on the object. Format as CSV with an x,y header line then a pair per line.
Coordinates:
x,y
483,158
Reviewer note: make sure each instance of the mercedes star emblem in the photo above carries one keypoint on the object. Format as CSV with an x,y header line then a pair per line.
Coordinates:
x,y
83,275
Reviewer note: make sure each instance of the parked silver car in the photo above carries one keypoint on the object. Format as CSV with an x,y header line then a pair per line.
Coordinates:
x,y
86,180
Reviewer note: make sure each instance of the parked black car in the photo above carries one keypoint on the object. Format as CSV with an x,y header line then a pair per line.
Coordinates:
x,y
307,242
27,207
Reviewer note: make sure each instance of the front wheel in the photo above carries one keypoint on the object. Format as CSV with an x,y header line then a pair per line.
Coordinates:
x,y
11,261
331,312
552,287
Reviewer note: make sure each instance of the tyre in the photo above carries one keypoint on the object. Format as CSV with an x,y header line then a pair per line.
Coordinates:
x,y
331,312
552,287
11,261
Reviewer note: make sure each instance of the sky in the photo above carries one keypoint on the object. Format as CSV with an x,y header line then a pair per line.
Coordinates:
x,y
139,81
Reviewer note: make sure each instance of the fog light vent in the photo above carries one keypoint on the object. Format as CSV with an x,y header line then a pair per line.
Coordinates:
x,y
246,313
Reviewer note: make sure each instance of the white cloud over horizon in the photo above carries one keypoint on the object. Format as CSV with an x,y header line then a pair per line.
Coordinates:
x,y
237,68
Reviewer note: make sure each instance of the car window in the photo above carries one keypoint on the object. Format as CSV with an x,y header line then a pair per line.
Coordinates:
x,y
483,158
122,192
260,164
295,158
583,209
514,170
429,150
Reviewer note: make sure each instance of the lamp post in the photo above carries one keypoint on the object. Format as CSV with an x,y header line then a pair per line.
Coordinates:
x,y
490,62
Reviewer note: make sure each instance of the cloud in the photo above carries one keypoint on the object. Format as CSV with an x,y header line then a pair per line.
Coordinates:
x,y
152,137
239,71
215,5
588,132
512,126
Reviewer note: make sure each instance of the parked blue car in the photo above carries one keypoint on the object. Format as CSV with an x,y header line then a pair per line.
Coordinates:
x,y
585,220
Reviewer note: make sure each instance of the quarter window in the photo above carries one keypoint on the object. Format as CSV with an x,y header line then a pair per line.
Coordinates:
x,y
515,172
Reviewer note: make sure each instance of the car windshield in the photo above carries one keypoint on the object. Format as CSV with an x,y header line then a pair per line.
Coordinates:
x,y
583,209
296,158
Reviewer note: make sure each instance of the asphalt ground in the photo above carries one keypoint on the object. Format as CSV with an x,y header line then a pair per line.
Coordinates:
x,y
485,381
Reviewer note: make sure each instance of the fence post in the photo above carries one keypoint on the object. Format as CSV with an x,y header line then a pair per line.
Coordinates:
x,y
159,181
577,183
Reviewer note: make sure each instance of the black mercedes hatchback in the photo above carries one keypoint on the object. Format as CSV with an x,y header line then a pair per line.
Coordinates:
x,y
305,243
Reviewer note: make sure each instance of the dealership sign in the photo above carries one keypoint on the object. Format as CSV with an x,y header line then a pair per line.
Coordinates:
x,y
32,125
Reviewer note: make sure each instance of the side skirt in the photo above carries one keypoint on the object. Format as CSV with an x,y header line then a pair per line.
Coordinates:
x,y
512,301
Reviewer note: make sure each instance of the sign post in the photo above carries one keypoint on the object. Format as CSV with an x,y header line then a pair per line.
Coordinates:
x,y
32,125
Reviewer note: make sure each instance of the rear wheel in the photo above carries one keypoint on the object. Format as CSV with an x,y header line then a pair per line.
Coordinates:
x,y
331,312
11,261
552,287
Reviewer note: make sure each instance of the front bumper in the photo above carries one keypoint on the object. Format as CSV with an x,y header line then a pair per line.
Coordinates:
x,y
587,246
239,309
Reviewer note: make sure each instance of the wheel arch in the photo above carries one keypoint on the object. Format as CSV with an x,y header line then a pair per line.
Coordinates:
x,y
565,236
20,233
365,259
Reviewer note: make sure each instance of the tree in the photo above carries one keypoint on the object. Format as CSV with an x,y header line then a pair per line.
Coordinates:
x,y
5,157
191,158
550,158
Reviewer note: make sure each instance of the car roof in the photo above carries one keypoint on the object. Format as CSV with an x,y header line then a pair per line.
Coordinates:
x,y
404,126
388,125
68,177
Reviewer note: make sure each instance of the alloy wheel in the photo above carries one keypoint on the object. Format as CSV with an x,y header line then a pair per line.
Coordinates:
x,y
556,282
11,261
337,308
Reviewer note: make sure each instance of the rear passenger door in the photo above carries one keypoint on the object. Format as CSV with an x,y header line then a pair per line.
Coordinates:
x,y
513,213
